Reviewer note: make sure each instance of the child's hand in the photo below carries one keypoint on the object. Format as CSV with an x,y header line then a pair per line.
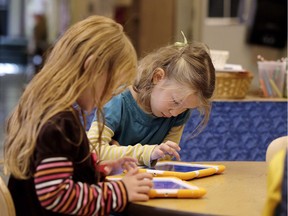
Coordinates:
x,y
168,148
137,185
113,167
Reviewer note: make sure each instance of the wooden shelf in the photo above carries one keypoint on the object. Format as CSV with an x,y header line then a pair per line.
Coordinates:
x,y
253,97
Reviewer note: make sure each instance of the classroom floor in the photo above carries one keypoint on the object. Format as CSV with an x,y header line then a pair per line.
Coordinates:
x,y
12,82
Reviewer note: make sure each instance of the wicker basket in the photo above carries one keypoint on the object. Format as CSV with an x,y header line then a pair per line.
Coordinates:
x,y
232,85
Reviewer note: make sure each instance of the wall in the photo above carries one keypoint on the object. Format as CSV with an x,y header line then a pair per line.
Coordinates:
x,y
237,131
233,38
14,17
189,17
156,28
183,13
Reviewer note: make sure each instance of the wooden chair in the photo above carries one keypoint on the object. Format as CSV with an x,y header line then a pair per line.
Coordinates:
x,y
6,202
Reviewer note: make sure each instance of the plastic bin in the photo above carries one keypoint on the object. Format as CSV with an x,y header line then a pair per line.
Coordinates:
x,y
271,77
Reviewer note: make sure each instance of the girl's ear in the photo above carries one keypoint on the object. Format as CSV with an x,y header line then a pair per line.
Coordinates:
x,y
87,62
158,75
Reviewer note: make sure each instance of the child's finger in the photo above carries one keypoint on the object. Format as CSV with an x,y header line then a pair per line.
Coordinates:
x,y
144,189
176,155
168,150
132,171
173,145
146,176
108,170
129,165
147,183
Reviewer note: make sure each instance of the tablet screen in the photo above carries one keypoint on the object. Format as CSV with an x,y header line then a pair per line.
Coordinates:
x,y
167,185
178,168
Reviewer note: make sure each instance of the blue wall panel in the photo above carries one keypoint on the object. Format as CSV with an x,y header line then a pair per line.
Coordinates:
x,y
236,131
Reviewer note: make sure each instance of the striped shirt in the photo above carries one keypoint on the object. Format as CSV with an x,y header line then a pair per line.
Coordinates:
x,y
65,181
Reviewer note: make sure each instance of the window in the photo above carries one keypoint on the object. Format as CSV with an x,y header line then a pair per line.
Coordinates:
x,y
223,8
226,12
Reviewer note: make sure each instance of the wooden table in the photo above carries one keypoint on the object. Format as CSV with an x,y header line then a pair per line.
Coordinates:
x,y
240,190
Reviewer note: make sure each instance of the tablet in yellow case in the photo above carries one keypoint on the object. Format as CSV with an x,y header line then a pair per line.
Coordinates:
x,y
183,170
165,187
175,188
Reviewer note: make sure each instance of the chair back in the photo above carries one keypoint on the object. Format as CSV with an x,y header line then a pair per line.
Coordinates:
x,y
275,146
6,202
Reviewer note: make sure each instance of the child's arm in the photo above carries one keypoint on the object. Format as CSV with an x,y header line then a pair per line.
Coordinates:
x,y
107,152
57,191
143,153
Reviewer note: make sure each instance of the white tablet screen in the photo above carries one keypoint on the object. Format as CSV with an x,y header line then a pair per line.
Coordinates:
x,y
178,168
167,185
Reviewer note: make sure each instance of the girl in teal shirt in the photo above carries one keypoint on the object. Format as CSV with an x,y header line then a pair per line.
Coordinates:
x,y
147,120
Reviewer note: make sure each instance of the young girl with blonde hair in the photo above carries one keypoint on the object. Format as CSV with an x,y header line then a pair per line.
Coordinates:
x,y
46,148
147,120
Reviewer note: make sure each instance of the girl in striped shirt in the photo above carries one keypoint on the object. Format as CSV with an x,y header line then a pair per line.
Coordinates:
x,y
46,148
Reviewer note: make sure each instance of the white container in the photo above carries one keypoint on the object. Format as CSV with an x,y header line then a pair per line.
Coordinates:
x,y
219,58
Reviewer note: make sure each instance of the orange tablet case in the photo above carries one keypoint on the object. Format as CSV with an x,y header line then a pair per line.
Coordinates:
x,y
199,170
188,191
171,187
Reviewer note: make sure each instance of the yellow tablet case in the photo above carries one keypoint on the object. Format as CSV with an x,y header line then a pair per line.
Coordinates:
x,y
186,190
171,187
183,170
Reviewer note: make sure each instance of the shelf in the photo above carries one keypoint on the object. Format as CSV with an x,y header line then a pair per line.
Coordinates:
x,y
253,97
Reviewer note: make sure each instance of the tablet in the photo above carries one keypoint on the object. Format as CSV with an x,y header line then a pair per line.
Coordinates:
x,y
171,187
183,170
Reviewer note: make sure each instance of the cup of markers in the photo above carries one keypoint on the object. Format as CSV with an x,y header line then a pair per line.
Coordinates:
x,y
271,77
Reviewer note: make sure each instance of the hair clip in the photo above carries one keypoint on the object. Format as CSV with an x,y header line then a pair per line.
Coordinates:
x,y
181,44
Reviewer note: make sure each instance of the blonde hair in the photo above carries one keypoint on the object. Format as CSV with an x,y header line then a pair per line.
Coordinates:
x,y
62,80
189,65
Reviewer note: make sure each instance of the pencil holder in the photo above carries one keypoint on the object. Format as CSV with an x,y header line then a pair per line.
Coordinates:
x,y
271,77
